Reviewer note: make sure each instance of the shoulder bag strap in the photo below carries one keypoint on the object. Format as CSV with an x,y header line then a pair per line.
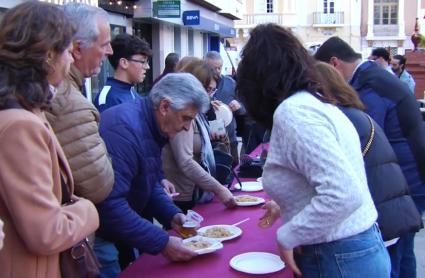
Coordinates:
x,y
66,195
372,135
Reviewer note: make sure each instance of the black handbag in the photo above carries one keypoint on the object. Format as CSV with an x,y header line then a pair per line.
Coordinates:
x,y
79,261
224,172
251,168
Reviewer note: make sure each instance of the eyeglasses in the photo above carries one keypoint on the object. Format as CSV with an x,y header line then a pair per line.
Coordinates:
x,y
143,62
211,91
372,58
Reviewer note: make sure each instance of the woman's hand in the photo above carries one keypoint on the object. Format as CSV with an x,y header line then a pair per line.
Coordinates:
x,y
169,188
270,216
226,197
216,104
287,257
234,105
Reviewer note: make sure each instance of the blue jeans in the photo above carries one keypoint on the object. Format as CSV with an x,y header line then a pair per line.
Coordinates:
x,y
107,254
362,255
403,260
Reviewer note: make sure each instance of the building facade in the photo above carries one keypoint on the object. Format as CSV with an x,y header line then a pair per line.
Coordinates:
x,y
313,21
187,27
365,24
390,24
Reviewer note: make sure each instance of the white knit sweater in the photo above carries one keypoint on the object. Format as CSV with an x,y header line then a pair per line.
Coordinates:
x,y
315,172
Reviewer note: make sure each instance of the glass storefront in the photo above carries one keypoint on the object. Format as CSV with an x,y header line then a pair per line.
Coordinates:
x,y
144,30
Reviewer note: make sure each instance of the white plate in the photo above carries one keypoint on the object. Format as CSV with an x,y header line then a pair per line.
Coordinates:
x,y
260,179
216,244
250,186
247,204
223,112
236,231
257,263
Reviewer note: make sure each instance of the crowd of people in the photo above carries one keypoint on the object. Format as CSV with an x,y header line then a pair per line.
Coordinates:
x,y
345,168
395,65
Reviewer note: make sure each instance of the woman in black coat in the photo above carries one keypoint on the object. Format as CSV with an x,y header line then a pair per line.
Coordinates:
x,y
397,213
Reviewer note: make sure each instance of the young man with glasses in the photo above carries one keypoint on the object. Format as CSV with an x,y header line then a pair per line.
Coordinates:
x,y
130,62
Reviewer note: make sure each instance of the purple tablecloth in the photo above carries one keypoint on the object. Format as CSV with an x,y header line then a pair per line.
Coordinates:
x,y
253,239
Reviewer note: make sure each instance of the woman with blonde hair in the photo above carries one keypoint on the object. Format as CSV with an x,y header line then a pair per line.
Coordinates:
x,y
188,159
185,61
35,56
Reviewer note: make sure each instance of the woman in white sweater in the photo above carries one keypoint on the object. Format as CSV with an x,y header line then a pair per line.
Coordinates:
x,y
314,170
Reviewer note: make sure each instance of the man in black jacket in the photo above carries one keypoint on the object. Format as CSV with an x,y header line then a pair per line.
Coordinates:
x,y
394,108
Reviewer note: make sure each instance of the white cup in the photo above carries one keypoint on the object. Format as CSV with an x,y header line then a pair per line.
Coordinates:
x,y
217,127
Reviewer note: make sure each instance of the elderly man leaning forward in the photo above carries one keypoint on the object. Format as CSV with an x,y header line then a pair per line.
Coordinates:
x,y
134,133
73,118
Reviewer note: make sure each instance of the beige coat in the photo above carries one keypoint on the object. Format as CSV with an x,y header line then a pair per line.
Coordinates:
x,y
75,121
180,163
36,226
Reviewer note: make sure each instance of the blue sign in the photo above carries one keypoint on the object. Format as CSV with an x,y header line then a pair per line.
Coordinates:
x,y
191,17
224,31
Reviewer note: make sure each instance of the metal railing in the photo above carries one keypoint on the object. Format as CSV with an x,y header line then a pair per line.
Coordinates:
x,y
285,19
385,30
320,18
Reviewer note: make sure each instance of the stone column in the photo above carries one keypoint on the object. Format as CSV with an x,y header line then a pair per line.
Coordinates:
x,y
401,25
369,19
285,6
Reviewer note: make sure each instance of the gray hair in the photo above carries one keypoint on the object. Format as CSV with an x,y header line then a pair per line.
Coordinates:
x,y
213,55
183,90
85,18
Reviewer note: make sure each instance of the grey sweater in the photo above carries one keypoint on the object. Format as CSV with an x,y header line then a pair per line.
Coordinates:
x,y
315,172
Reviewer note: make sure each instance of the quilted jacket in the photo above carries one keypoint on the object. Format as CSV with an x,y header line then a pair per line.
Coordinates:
x,y
75,122
395,109
134,142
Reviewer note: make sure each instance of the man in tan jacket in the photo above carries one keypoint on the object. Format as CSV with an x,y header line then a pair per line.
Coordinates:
x,y
74,118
